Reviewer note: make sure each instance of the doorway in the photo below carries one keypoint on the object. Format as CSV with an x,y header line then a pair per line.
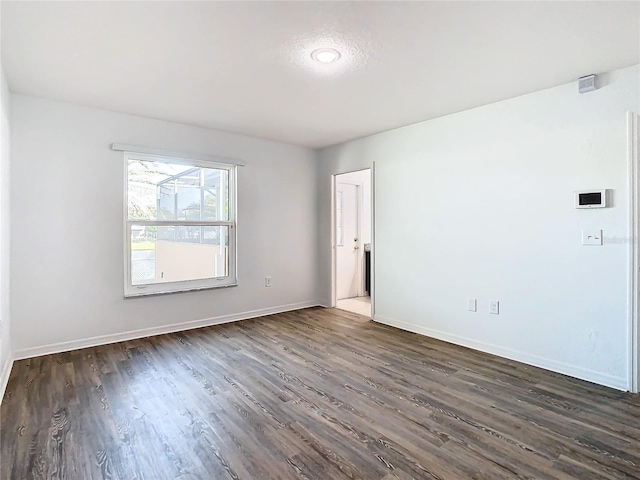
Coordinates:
x,y
352,242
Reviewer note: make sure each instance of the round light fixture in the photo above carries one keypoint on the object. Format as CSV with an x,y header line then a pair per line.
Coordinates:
x,y
325,55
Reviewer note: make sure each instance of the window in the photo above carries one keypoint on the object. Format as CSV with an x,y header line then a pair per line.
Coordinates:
x,y
179,224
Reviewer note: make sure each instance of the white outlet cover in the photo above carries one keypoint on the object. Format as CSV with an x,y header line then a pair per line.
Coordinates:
x,y
494,307
592,237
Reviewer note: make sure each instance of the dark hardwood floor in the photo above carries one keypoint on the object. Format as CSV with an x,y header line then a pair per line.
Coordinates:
x,y
313,394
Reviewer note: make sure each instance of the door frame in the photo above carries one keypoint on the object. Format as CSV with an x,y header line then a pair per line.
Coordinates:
x,y
334,181
633,148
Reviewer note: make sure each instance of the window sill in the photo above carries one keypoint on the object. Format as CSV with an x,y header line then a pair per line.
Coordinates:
x,y
169,292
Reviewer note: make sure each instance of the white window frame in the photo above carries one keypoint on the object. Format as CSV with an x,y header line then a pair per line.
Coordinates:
x,y
188,285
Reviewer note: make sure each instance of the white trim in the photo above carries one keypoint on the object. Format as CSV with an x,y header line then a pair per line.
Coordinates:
x,y
372,288
152,331
123,147
334,276
634,262
4,376
618,383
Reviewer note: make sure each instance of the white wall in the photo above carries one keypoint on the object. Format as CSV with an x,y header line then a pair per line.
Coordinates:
x,y
455,220
67,227
479,204
5,328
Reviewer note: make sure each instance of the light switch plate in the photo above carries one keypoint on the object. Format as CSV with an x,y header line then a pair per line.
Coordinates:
x,y
592,237
472,305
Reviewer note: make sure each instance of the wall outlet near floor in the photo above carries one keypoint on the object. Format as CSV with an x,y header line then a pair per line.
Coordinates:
x,y
494,307
472,304
267,281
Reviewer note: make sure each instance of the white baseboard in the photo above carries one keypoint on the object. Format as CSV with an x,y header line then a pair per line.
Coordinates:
x,y
149,332
4,376
559,367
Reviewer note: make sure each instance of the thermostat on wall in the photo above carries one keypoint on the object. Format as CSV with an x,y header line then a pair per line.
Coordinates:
x,y
591,199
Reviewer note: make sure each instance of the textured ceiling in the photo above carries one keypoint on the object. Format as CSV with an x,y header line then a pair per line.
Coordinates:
x,y
245,67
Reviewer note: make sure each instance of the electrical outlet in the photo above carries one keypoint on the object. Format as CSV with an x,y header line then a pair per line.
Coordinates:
x,y
472,304
494,307
267,281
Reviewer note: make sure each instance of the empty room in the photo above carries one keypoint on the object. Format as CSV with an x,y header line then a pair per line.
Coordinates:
x,y
319,240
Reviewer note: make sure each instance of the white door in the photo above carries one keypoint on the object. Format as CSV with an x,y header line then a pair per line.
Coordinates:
x,y
348,252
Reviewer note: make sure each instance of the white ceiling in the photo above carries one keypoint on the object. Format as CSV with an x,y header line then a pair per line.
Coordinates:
x,y
245,67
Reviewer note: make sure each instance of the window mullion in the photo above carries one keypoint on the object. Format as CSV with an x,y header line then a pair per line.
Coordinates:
x,y
185,223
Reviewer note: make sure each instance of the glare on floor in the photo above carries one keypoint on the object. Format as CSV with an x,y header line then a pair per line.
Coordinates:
x,y
359,305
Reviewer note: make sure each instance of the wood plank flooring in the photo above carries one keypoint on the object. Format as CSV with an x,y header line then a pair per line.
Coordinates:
x,y
313,394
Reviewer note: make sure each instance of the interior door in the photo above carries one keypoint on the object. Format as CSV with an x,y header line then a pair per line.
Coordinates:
x,y
348,251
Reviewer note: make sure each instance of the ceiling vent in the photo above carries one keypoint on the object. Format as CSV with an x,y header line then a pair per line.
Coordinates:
x,y
587,84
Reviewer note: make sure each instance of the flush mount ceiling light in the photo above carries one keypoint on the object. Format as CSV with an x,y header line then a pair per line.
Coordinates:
x,y
328,53
325,55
